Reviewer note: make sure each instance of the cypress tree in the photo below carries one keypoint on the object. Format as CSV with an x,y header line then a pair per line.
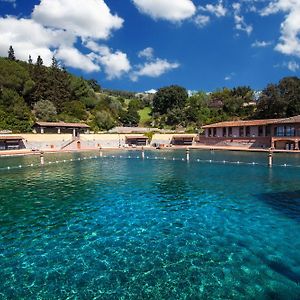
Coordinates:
x,y
54,64
39,61
30,60
11,53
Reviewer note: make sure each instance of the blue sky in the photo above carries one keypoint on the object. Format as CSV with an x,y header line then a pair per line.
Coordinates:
x,y
143,44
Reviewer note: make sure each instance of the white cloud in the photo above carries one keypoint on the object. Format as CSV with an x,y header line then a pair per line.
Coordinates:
x,y
290,29
54,29
154,69
229,77
260,44
28,37
239,20
83,18
201,20
146,53
218,10
115,64
174,11
293,66
73,58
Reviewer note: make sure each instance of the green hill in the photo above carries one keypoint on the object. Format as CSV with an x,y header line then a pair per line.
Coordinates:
x,y
30,92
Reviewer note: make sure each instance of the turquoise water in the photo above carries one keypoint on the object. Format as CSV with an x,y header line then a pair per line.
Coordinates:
x,y
126,228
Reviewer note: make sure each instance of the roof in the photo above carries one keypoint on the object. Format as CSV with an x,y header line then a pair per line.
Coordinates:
x,y
62,124
183,136
133,137
295,119
246,123
132,129
10,138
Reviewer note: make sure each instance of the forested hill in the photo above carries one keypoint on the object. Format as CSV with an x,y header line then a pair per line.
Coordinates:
x,y
30,91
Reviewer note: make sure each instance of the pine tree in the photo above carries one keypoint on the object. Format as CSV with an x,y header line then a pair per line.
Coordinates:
x,y
11,53
30,60
55,64
39,61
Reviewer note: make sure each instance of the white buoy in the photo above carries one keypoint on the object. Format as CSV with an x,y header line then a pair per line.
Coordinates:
x,y
42,158
270,156
187,154
143,153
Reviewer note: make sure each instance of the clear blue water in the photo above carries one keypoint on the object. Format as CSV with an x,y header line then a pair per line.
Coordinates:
x,y
124,228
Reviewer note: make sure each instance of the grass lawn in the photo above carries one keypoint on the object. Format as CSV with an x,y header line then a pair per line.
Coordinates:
x,y
145,115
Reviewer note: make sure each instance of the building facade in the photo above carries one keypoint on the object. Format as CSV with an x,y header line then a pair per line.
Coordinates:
x,y
282,134
11,142
61,127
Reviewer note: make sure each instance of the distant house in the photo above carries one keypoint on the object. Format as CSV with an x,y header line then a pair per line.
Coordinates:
x,y
183,139
136,140
61,127
281,133
11,142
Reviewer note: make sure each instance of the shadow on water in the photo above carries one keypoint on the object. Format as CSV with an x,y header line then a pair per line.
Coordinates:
x,y
275,265
286,203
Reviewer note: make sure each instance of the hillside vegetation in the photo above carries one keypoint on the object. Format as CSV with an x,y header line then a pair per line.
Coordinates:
x,y
30,92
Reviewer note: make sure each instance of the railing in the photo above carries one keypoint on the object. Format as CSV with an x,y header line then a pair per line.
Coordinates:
x,y
69,142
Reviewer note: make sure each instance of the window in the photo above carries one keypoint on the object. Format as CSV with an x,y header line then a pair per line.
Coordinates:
x,y
214,131
260,131
241,131
279,131
224,131
209,131
289,131
268,130
247,130
229,131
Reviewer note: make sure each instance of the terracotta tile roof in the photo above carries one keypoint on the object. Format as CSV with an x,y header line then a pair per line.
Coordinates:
x,y
245,123
10,138
62,124
295,119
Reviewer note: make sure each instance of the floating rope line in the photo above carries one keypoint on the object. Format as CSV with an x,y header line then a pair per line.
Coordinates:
x,y
188,160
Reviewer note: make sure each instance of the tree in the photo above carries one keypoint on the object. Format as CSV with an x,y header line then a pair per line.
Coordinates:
x,y
45,110
80,88
55,64
271,104
14,113
196,105
30,60
11,53
39,61
76,109
103,120
280,100
290,91
130,117
176,117
168,98
14,76
94,85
